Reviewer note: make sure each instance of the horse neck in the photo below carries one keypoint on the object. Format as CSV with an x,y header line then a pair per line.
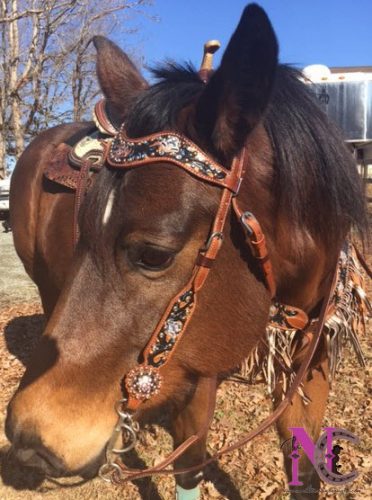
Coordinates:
x,y
301,261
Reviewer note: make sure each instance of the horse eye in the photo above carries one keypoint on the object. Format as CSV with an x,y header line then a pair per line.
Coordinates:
x,y
154,259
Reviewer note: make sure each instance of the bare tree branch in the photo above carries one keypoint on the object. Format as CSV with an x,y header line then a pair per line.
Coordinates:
x,y
47,66
20,15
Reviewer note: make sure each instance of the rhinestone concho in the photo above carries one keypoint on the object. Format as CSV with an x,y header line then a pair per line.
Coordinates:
x,y
143,382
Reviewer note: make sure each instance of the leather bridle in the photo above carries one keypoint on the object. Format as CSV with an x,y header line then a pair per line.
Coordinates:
x,y
145,380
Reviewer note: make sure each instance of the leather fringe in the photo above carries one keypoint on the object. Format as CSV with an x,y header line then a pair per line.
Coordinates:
x,y
273,358
350,310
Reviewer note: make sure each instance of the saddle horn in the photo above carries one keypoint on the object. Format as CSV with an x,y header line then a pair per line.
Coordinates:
x,y
206,67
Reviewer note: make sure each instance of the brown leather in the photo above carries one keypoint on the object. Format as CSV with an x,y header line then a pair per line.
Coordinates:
x,y
299,321
62,172
256,240
102,120
231,180
59,170
203,261
132,474
81,189
77,178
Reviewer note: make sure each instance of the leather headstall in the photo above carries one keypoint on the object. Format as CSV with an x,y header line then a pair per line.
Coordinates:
x,y
144,381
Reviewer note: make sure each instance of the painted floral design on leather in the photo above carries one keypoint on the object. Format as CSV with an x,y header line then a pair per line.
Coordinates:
x,y
171,329
127,152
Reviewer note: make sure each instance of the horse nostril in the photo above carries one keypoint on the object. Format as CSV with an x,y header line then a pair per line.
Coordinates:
x,y
40,458
27,457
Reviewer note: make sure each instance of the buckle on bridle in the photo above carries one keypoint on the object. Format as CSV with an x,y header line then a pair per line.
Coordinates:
x,y
216,234
243,220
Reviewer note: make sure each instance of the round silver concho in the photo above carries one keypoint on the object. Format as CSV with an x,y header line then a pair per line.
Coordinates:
x,y
143,382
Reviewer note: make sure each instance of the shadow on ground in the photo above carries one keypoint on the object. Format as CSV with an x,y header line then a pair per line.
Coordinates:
x,y
22,334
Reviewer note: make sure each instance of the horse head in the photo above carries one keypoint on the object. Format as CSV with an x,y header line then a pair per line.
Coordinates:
x,y
142,229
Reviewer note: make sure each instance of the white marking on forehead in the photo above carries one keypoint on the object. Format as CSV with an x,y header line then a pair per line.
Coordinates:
x,y
108,209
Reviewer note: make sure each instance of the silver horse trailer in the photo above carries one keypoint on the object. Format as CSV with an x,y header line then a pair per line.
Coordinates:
x,y
345,94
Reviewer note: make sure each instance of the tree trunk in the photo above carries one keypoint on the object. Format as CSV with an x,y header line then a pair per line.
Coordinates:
x,y
15,104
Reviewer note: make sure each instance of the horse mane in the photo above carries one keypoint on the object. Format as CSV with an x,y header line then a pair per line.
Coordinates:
x,y
316,179
316,182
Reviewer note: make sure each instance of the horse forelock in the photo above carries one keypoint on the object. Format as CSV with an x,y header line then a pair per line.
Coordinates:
x,y
157,108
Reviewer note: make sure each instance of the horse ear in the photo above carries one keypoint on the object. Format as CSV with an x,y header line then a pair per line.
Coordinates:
x,y
118,77
236,96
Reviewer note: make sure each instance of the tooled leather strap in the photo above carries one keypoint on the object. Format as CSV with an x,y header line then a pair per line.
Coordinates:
x,y
145,380
170,147
79,195
132,474
257,242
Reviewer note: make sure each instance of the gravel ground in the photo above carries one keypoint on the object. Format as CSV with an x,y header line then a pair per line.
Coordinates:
x,y
15,285
254,472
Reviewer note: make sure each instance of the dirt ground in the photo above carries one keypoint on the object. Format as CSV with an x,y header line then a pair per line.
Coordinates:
x,y
15,285
253,472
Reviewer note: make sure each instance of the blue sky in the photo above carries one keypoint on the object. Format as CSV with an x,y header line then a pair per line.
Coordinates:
x,y
331,32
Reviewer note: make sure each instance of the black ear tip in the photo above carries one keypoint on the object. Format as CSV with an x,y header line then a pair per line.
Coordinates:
x,y
254,11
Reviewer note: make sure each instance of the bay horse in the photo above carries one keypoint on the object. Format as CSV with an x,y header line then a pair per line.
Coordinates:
x,y
142,230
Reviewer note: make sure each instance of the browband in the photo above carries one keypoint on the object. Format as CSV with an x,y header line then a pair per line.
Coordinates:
x,y
169,147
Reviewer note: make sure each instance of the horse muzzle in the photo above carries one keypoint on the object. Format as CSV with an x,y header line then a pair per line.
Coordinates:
x,y
48,463
29,451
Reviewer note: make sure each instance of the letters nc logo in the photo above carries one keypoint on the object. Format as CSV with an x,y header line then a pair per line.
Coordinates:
x,y
321,454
